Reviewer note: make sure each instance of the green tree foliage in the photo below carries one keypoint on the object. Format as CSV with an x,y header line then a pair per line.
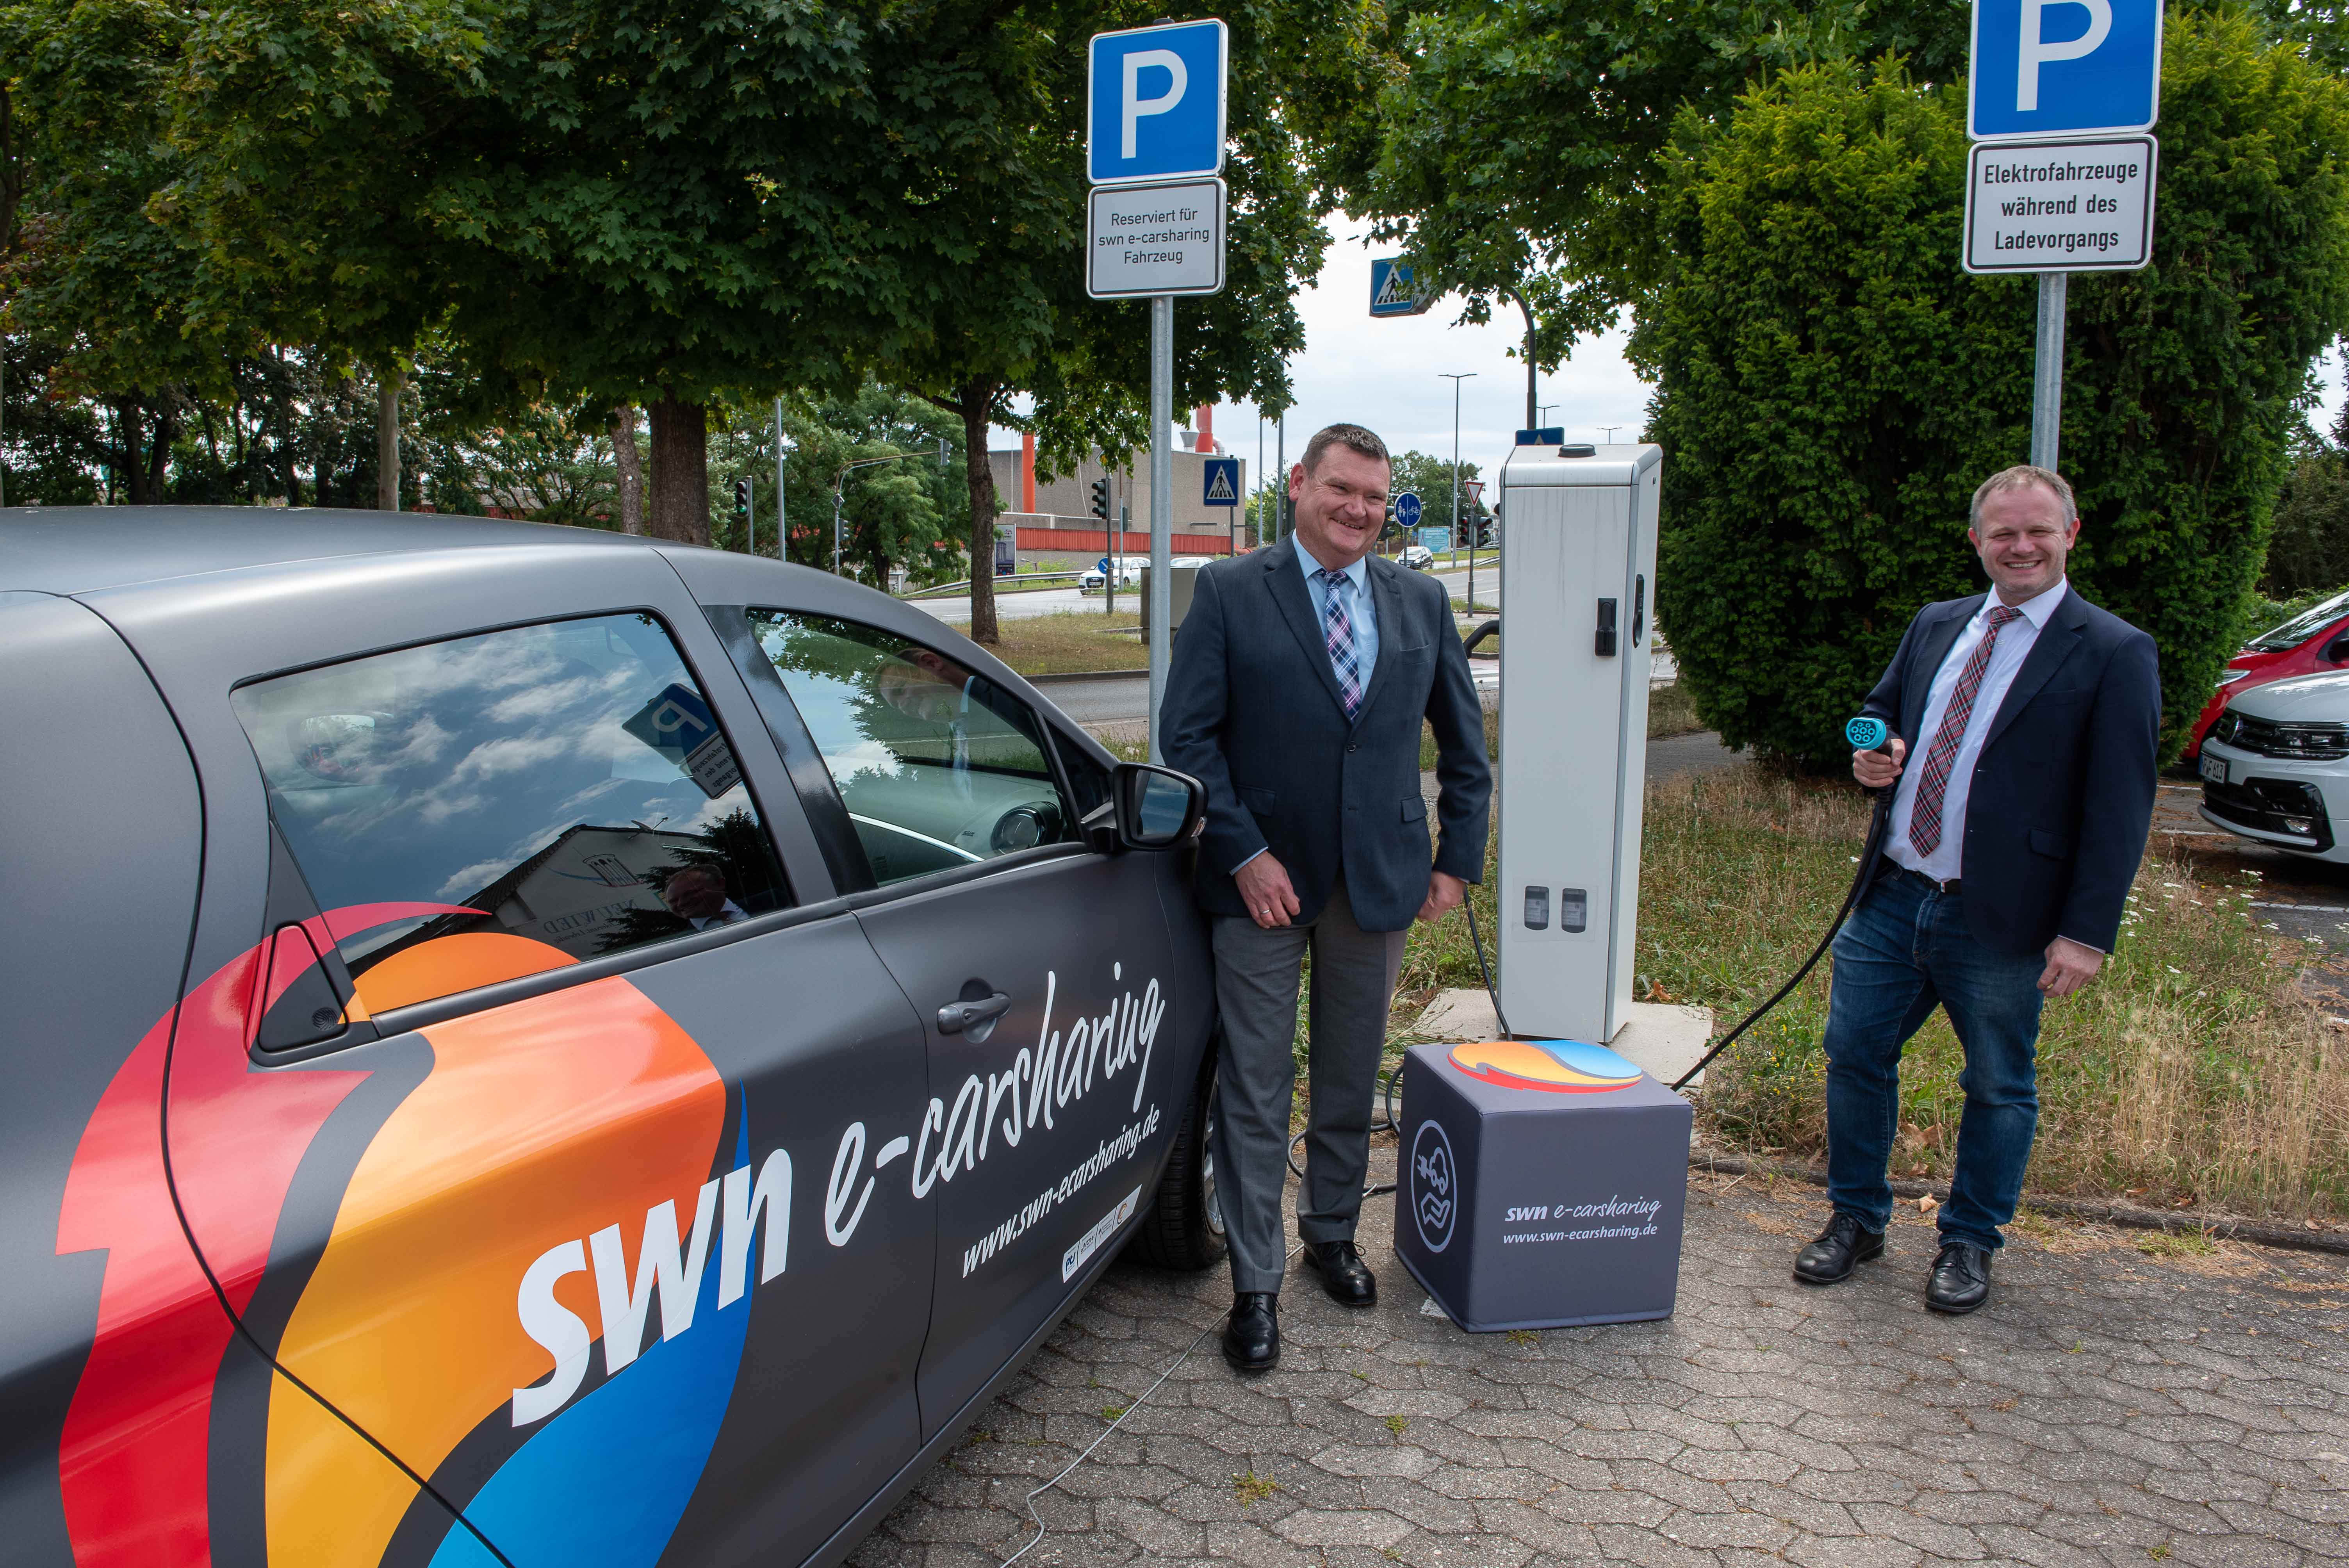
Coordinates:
x,y
638,202
1515,158
1430,479
1832,387
2308,548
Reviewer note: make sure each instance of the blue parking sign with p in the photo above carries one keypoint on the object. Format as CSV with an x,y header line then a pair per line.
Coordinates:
x,y
1155,103
2048,68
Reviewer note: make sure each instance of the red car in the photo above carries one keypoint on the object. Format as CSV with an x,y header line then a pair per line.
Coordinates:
x,y
2312,642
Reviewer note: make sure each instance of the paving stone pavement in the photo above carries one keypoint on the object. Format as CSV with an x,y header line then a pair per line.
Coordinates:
x,y
2107,1408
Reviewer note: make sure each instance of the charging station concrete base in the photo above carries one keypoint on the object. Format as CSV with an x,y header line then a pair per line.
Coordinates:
x,y
1541,1184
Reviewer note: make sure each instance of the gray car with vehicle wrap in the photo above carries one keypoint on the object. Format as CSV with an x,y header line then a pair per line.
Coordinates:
x,y
531,1046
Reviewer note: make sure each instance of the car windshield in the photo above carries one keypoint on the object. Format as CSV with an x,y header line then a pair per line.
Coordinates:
x,y
2301,627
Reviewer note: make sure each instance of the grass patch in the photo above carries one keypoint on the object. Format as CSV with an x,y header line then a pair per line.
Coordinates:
x,y
1492,740
2190,1072
1252,1487
1672,711
1073,642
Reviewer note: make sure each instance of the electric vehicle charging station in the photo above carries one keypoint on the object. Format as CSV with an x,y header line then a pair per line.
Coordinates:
x,y
1543,1176
1578,587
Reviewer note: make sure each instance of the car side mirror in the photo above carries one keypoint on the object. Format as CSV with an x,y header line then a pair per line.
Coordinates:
x,y
2337,650
1150,807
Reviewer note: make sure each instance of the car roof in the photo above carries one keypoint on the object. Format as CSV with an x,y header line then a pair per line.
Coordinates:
x,y
82,549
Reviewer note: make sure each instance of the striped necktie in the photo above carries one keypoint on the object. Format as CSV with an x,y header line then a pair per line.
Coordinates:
x,y
1338,631
1925,811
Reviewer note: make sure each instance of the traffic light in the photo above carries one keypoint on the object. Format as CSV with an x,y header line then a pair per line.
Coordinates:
x,y
742,498
1100,499
1484,532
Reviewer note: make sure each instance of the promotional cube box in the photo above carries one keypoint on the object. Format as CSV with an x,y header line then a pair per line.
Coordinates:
x,y
1540,1184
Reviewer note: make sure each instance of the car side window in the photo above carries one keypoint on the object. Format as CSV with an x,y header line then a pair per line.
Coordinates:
x,y
497,805
939,768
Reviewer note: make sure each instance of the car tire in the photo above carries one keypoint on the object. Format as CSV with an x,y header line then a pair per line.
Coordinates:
x,y
1184,1226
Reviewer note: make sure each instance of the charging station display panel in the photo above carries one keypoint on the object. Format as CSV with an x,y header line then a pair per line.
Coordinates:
x,y
1577,586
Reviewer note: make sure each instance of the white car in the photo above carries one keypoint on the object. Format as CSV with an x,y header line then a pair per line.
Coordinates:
x,y
1129,572
1418,557
2275,767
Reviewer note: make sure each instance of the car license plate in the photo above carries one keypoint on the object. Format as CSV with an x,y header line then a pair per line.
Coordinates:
x,y
2214,768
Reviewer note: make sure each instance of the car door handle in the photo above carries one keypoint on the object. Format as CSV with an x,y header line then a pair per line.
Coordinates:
x,y
956,1017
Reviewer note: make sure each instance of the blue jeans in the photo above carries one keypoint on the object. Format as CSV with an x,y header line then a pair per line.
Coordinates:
x,y
1904,951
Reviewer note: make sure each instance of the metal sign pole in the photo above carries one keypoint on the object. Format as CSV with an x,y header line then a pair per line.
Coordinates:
x,y
1161,503
2047,372
781,553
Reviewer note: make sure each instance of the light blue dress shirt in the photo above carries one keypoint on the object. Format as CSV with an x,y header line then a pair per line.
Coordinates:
x,y
1359,608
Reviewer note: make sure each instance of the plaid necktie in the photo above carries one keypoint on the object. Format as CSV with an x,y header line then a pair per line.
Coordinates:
x,y
1925,811
1338,631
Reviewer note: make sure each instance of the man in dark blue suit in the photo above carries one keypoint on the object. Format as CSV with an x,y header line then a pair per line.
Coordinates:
x,y
2001,875
1299,685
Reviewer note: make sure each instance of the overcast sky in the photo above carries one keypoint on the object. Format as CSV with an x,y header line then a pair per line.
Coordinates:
x,y
1387,375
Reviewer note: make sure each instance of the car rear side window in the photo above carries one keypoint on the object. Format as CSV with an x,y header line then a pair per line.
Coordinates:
x,y
498,805
939,768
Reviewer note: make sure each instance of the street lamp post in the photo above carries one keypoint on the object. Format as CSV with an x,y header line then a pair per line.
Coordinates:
x,y
1456,378
1610,430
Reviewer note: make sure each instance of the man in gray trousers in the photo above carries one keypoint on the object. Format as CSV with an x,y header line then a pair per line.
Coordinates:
x,y
1299,680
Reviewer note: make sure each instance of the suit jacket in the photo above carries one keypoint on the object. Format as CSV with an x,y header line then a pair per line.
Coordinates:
x,y
2063,791
1251,709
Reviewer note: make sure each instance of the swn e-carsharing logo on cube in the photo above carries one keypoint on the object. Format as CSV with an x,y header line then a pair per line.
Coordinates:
x,y
2049,67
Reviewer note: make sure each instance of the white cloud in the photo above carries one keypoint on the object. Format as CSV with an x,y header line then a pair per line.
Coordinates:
x,y
1388,375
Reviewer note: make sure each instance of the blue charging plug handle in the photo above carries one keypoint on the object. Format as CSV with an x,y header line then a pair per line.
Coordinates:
x,y
1867,733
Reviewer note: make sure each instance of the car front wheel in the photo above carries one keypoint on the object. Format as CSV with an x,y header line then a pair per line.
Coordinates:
x,y
1184,1227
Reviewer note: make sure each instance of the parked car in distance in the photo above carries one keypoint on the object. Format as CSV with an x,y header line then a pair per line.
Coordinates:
x,y
2313,641
1129,572
2275,767
1418,557
538,1046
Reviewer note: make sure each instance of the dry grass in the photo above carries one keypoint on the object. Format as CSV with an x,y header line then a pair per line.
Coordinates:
x,y
1672,711
1073,643
2192,1072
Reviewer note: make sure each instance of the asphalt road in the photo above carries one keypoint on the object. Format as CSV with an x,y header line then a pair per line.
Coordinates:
x,y
1060,600
1124,699
2304,898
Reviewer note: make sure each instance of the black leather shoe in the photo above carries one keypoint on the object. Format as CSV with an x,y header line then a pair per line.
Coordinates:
x,y
1843,1246
1960,1278
1252,1338
1344,1275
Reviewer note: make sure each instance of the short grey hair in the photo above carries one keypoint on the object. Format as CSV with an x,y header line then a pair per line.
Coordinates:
x,y
1354,437
2023,476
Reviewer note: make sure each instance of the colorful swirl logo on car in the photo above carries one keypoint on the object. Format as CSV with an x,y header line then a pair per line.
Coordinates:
x,y
1554,1067
578,1120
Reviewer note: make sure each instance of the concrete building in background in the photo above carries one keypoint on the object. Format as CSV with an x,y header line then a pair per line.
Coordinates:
x,y
1055,514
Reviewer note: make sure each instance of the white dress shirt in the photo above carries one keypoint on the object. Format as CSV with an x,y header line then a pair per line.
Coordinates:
x,y
2015,640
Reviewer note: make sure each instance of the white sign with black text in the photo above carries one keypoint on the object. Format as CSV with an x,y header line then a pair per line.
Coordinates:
x,y
1156,239
2081,206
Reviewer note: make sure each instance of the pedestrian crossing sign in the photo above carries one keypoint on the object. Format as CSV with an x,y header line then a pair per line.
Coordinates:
x,y
1392,291
1223,481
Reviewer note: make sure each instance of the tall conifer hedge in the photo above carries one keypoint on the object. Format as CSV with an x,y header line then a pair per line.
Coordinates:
x,y
1832,386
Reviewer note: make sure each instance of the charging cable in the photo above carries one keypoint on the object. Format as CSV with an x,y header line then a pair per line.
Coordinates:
x,y
1066,1470
1866,734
